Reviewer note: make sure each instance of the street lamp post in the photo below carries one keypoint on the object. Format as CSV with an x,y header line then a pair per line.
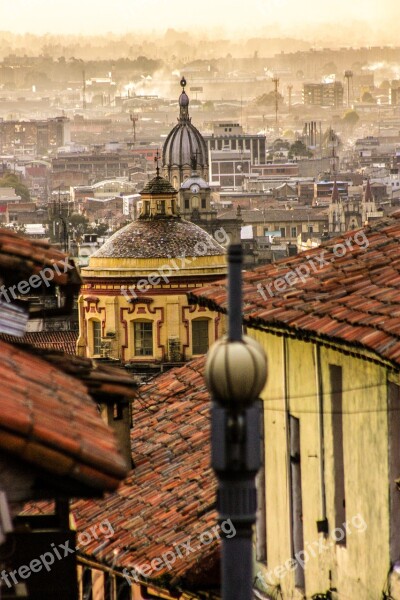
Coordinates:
x,y
236,372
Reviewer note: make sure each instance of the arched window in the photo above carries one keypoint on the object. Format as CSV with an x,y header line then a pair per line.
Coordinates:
x,y
96,336
143,338
200,336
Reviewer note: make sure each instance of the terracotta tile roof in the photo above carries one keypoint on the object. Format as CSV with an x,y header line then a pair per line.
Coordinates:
x,y
352,299
48,419
158,186
54,340
21,257
169,497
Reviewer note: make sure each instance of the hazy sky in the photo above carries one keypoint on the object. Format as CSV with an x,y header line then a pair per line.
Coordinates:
x,y
119,16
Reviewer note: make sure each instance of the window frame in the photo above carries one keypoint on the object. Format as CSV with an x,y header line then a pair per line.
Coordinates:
x,y
198,344
142,323
96,333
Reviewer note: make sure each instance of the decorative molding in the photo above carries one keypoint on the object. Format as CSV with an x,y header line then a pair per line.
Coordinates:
x,y
186,322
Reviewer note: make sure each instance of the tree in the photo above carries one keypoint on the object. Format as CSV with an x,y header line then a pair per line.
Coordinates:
x,y
329,68
268,99
101,229
298,148
351,119
367,97
78,221
12,180
208,105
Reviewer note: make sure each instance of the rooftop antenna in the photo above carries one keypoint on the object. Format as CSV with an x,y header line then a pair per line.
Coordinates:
x,y
290,87
276,83
348,76
84,90
134,120
333,143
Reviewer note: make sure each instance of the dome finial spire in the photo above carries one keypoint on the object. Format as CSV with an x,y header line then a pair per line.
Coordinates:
x,y
183,103
156,160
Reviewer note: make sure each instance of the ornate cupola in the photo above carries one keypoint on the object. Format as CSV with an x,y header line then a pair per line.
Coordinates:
x,y
159,199
182,143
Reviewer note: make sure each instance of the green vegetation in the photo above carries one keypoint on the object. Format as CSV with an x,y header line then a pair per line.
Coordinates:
x,y
13,181
299,149
367,97
351,119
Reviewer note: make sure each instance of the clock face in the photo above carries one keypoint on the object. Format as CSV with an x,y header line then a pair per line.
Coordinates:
x,y
195,188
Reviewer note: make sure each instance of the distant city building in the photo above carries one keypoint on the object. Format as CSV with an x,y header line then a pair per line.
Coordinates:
x,y
229,168
323,94
35,136
230,137
97,166
394,93
323,191
273,169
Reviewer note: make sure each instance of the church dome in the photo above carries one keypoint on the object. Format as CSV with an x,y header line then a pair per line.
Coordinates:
x,y
184,141
160,238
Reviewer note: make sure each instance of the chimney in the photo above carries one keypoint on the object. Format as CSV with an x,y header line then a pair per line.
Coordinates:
x,y
116,412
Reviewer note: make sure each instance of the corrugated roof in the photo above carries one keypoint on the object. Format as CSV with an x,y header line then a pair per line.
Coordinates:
x,y
343,291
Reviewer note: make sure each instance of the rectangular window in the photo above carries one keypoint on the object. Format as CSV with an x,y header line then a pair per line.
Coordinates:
x,y
296,496
143,332
203,203
200,336
394,469
336,383
117,411
96,328
108,587
294,232
261,528
123,589
87,587
187,205
283,231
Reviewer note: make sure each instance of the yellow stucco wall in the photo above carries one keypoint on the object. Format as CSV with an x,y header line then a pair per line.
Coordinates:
x,y
359,569
170,315
159,288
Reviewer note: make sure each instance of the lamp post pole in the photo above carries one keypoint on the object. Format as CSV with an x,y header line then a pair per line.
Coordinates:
x,y
235,375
